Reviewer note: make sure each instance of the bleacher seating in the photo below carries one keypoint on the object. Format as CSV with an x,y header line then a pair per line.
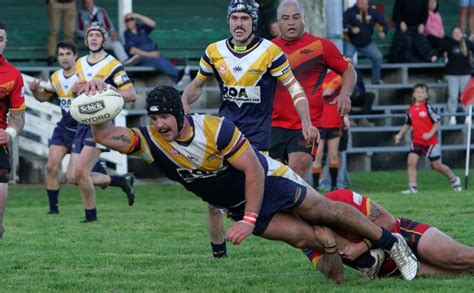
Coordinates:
x,y
183,31
448,10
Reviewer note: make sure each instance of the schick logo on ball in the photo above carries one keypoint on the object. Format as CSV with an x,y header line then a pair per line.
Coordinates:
x,y
91,108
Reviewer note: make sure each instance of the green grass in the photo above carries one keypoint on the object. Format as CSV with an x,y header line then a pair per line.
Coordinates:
x,y
161,243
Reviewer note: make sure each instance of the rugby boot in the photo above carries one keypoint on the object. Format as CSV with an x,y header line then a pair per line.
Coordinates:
x,y
127,187
406,261
371,273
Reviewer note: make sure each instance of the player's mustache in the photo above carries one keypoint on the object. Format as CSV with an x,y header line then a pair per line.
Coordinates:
x,y
239,28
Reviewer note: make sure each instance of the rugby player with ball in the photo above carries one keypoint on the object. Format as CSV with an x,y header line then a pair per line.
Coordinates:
x,y
211,158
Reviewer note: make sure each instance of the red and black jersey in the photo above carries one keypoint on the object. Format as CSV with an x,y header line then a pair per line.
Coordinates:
x,y
11,91
422,117
331,117
309,58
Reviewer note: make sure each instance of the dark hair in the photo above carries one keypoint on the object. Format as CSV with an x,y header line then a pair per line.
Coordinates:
x,y
420,85
3,25
455,27
66,45
437,6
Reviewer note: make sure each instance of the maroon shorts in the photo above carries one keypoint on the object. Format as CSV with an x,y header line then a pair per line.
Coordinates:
x,y
433,151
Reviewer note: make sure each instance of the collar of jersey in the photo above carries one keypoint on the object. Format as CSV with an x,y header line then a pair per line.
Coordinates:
x,y
253,44
187,141
92,64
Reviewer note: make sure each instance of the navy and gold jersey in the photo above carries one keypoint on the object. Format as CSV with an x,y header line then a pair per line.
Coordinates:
x,y
62,85
247,81
109,69
201,164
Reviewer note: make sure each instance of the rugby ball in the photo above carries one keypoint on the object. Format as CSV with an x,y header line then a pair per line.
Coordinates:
x,y
98,108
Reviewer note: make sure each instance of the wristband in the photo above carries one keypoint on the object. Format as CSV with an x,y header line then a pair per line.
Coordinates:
x,y
11,132
367,242
250,218
330,249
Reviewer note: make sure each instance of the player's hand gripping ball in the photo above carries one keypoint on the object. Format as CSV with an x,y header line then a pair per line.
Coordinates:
x,y
98,108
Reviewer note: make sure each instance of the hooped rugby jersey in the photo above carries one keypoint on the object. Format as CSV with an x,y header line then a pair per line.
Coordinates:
x,y
11,91
422,117
247,82
202,163
309,58
62,85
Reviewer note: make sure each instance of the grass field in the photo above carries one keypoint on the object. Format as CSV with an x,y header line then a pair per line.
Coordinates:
x,y
161,243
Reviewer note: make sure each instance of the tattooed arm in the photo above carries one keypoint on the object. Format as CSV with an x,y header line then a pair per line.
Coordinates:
x,y
17,120
114,137
381,216
15,126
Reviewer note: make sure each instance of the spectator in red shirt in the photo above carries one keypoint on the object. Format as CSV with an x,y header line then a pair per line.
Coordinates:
x,y
12,108
424,120
309,58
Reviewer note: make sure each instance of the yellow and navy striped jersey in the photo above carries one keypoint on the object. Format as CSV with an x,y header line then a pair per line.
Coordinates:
x,y
109,69
201,163
247,80
62,85
205,158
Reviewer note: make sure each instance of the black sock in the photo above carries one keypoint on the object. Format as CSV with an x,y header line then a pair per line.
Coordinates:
x,y
316,180
117,181
91,215
333,172
53,197
365,260
219,250
386,241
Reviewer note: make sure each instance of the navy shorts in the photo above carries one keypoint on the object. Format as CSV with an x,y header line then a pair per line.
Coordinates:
x,y
85,137
285,141
63,136
281,194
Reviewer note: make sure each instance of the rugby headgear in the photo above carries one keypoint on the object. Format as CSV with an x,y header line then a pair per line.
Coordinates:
x,y
166,100
247,6
96,26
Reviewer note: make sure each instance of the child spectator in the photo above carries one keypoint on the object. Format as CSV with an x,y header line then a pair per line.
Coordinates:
x,y
359,22
424,120
331,131
434,29
458,69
